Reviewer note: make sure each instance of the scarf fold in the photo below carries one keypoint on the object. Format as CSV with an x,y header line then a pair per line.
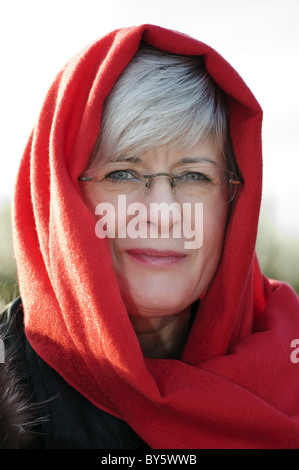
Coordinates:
x,y
236,386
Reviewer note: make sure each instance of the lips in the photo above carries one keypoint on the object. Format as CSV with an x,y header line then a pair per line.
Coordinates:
x,y
153,257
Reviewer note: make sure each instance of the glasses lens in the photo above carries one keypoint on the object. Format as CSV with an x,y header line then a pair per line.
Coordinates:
x,y
207,184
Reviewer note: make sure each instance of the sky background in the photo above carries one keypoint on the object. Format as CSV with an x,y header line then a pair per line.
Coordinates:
x,y
260,38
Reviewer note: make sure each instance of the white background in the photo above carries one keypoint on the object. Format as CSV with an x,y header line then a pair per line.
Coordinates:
x,y
260,38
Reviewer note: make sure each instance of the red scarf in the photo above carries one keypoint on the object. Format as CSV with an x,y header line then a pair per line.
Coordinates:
x,y
236,385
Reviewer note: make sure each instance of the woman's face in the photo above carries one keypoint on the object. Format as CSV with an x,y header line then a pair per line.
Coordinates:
x,y
159,275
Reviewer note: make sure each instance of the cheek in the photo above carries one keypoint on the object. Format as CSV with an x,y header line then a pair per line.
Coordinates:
x,y
214,223
115,246
208,255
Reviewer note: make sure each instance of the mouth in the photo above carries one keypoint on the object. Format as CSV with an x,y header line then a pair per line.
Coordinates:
x,y
153,257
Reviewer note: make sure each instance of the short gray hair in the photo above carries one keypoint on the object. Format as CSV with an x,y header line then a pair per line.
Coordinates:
x,y
162,98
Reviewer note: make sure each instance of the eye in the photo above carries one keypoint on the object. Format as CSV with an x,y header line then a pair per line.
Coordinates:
x,y
196,176
120,175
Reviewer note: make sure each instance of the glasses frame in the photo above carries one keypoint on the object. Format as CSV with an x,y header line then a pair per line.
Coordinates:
x,y
235,180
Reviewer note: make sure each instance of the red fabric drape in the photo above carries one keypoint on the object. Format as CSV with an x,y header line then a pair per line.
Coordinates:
x,y
236,386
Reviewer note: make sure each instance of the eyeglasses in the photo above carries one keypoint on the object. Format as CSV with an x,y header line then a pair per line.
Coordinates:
x,y
208,184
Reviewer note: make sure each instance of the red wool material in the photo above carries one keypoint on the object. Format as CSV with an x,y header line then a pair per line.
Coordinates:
x,y
236,386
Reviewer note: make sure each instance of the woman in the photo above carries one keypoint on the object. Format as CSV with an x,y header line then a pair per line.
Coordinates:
x,y
144,319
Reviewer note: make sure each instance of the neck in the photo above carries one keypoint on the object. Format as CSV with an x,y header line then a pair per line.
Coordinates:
x,y
162,337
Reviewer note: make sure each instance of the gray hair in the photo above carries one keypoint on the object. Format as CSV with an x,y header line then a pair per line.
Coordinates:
x,y
162,98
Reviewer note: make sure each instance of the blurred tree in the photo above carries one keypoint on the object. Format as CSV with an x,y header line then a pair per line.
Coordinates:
x,y
8,270
278,251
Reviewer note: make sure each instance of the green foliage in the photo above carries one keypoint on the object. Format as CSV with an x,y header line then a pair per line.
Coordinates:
x,y
8,272
278,251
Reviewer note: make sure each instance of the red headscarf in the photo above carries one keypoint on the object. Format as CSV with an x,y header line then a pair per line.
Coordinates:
x,y
236,386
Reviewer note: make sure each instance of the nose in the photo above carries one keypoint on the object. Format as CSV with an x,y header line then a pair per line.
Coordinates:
x,y
160,187
164,212
154,175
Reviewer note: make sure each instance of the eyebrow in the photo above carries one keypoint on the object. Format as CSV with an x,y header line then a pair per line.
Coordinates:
x,y
125,158
187,160
182,161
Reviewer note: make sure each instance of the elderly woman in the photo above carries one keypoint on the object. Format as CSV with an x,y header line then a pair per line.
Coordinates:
x,y
144,320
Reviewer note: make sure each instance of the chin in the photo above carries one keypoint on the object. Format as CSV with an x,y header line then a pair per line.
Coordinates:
x,y
163,285
153,297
